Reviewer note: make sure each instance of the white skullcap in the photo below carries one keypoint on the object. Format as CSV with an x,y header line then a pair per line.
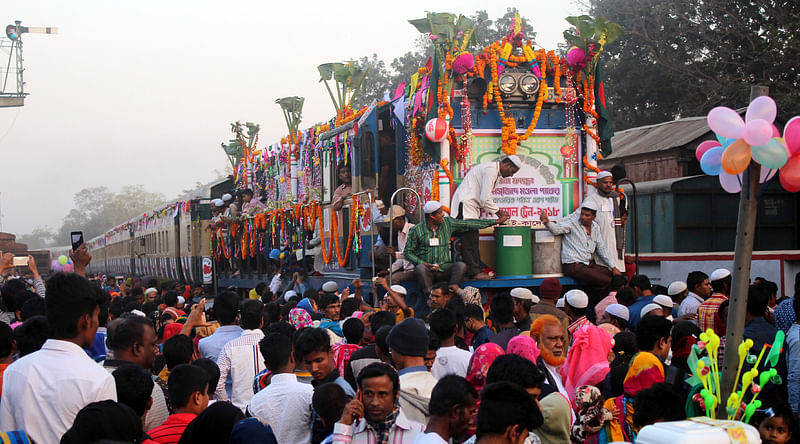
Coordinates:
x,y
589,204
226,197
560,303
399,289
330,287
524,293
379,203
603,174
619,311
515,160
676,288
218,202
139,313
151,289
431,206
648,308
577,298
719,273
181,300
288,294
663,300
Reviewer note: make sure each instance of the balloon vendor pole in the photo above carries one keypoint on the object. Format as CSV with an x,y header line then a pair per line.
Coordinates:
x,y
743,254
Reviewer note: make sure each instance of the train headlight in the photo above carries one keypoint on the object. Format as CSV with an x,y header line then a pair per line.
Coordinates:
x,y
529,84
507,84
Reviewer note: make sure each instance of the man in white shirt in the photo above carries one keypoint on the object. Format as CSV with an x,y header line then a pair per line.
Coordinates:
x,y
475,194
454,402
43,391
699,291
450,360
285,404
611,217
240,359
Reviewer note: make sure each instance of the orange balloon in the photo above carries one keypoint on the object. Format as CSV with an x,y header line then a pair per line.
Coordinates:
x,y
736,157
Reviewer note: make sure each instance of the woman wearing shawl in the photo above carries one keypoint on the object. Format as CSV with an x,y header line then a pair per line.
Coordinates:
x,y
300,318
480,362
646,369
587,360
524,346
557,418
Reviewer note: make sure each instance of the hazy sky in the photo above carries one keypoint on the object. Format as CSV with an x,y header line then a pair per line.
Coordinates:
x,y
143,92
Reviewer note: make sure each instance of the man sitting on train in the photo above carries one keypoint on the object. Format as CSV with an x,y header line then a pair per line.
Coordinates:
x,y
345,188
581,239
402,270
475,194
428,246
251,205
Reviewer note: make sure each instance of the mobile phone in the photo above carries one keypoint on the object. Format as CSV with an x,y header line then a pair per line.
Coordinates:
x,y
20,261
77,239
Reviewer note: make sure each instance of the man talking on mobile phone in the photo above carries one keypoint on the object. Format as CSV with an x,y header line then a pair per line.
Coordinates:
x,y
374,415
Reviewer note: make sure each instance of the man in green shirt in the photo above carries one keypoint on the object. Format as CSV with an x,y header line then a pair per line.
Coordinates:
x,y
428,246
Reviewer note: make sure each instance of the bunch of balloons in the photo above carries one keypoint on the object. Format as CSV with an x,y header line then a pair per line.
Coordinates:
x,y
63,263
754,138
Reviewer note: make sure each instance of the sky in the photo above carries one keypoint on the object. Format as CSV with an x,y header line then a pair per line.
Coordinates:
x,y
143,92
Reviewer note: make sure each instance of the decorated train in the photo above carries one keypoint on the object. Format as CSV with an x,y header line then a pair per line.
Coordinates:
x,y
463,108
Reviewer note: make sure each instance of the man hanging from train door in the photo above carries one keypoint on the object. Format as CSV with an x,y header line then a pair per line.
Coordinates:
x,y
475,194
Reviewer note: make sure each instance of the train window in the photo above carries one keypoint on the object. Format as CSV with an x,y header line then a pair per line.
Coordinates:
x,y
368,161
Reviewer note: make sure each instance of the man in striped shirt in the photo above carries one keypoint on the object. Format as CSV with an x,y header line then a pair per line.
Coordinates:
x,y
240,359
721,286
428,246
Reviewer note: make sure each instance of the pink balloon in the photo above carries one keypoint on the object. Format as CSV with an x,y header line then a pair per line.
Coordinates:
x,y
726,122
762,108
775,132
791,134
757,132
730,182
766,174
705,146
790,175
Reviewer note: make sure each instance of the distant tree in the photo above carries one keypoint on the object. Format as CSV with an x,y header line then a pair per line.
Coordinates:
x,y
377,83
98,209
40,237
680,58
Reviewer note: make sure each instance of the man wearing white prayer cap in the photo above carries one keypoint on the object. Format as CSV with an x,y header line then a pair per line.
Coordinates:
x,y
611,216
581,241
475,194
428,246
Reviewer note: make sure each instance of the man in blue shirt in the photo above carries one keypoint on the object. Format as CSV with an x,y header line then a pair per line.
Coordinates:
x,y
640,284
226,309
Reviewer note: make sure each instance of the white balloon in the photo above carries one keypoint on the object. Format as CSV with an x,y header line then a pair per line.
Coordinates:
x,y
731,183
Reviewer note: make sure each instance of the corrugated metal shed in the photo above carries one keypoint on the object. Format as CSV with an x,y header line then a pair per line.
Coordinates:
x,y
659,137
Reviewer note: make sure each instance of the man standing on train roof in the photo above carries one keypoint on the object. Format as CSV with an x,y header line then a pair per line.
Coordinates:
x,y
428,246
475,194
611,217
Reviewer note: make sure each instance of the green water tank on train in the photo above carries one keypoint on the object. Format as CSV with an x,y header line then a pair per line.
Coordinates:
x,y
512,251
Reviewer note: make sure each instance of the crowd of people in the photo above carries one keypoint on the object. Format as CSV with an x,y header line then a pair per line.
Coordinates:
x,y
87,360
83,362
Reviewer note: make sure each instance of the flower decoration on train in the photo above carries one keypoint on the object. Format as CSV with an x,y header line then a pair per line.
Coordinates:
x,y
754,138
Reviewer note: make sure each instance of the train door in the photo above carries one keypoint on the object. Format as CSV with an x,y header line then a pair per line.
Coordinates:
x,y
176,253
